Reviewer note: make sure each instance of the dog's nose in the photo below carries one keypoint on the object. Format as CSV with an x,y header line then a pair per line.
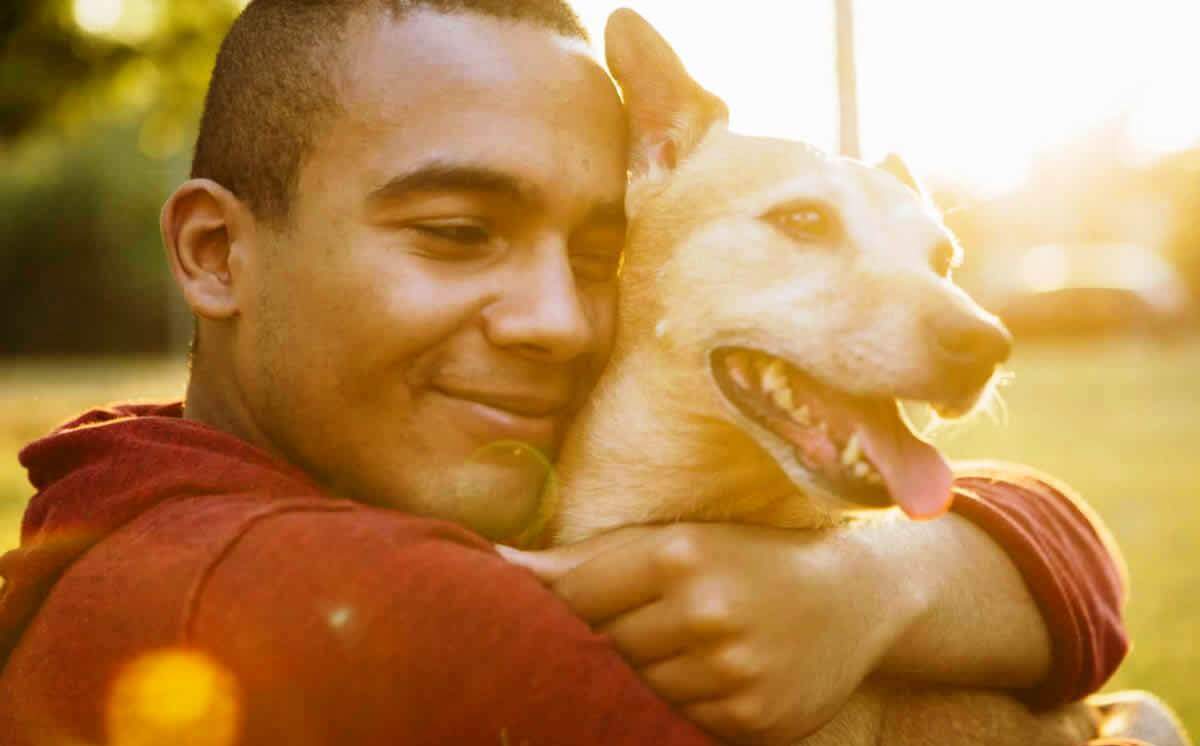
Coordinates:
x,y
971,342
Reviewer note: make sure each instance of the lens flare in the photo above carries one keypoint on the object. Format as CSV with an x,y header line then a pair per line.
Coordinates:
x,y
174,696
98,16
538,475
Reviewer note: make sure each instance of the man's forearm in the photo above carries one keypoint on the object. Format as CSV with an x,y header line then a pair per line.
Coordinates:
x,y
981,627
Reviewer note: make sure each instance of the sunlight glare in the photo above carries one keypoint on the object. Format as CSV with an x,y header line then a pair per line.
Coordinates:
x,y
126,21
1045,268
98,16
971,92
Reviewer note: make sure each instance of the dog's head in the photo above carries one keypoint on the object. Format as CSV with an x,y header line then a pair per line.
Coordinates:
x,y
808,293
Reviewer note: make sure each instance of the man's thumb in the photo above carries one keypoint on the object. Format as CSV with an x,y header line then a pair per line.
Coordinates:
x,y
551,564
548,565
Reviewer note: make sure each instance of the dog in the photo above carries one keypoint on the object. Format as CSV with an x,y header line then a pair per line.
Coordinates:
x,y
775,304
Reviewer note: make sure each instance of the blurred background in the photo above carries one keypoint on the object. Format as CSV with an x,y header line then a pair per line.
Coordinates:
x,y
1061,139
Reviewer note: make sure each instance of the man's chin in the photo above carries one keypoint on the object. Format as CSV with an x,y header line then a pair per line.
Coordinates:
x,y
497,492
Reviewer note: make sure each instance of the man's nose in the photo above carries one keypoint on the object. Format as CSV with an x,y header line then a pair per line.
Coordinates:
x,y
540,311
969,342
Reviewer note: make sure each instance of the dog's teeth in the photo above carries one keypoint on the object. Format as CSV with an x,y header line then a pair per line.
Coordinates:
x,y
861,470
738,366
739,376
851,453
801,415
774,377
783,398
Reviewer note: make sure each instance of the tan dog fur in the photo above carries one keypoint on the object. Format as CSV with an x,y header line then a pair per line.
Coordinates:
x,y
660,443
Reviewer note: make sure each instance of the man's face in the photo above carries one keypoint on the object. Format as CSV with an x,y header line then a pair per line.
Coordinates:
x,y
445,286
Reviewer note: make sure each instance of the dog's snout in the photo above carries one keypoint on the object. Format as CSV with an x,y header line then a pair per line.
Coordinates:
x,y
971,342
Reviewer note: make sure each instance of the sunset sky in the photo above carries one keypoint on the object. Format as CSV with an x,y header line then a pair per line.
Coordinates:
x,y
965,89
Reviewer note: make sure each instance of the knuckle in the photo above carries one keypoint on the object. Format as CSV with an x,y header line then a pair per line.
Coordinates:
x,y
737,663
749,713
680,552
710,614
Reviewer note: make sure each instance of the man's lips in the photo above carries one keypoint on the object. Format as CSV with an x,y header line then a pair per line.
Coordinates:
x,y
520,404
530,418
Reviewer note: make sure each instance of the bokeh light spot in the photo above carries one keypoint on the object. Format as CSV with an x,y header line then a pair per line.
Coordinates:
x,y
173,696
98,16
126,21
340,617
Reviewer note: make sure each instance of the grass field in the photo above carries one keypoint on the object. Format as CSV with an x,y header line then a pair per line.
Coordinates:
x,y
1119,420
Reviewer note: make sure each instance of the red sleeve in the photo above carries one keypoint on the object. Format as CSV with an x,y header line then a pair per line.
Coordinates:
x,y
367,628
1069,562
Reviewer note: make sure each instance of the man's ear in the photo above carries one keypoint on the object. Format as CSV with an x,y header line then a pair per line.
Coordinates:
x,y
668,111
202,223
895,165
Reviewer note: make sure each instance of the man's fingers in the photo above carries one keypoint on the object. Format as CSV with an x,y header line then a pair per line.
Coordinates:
x,y
651,633
611,583
665,628
743,718
717,672
610,575
551,564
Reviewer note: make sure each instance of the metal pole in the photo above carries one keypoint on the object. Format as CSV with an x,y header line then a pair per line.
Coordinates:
x,y
848,143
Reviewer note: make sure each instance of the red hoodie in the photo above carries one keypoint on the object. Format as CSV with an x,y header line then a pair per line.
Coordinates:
x,y
332,622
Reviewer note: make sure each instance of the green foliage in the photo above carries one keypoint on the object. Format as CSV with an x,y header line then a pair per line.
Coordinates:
x,y
97,116
56,77
81,263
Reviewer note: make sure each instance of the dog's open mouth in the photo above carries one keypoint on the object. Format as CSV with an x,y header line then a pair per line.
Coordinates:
x,y
859,448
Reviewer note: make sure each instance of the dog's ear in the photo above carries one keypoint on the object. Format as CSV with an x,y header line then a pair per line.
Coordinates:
x,y
668,111
896,166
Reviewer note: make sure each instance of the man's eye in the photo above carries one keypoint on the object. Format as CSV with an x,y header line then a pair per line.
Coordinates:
x,y
465,234
805,221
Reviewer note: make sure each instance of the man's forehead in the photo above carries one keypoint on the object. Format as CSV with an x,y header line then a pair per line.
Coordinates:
x,y
463,53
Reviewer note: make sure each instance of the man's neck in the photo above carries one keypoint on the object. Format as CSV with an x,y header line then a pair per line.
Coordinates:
x,y
214,400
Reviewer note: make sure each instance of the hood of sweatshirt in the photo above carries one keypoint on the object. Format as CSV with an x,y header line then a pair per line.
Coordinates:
x,y
105,468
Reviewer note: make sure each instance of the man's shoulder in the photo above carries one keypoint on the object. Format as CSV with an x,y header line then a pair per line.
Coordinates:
x,y
297,537
334,619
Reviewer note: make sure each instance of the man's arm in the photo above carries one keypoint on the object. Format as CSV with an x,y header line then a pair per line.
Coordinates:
x,y
363,628
981,626
1070,564
765,633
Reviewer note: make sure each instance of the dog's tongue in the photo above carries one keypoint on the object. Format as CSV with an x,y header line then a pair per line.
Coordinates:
x,y
916,475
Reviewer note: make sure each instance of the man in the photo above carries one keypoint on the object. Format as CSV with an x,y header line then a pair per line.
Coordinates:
x,y
400,246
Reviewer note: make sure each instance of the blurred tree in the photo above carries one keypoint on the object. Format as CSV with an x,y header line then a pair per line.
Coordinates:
x,y
81,264
64,64
99,100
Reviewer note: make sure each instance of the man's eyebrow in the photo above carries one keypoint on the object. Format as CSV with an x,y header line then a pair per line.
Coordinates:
x,y
443,177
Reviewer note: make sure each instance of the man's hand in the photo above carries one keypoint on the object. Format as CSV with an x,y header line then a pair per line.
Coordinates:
x,y
758,634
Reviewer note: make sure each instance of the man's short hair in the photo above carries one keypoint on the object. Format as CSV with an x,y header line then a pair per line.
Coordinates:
x,y
272,88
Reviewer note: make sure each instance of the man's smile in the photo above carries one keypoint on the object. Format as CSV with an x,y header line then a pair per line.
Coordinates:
x,y
532,417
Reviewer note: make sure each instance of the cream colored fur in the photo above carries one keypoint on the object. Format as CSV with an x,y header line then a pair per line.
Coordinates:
x,y
659,442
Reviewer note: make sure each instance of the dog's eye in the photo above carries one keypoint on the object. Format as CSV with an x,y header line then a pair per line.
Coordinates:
x,y
945,257
804,221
